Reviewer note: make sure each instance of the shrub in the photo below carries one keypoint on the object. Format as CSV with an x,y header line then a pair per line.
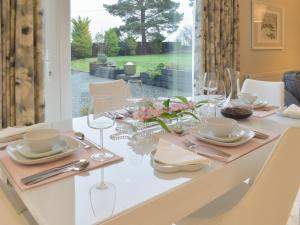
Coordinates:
x,y
156,71
81,38
111,41
131,45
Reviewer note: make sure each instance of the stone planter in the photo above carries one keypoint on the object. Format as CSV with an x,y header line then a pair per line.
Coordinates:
x,y
102,70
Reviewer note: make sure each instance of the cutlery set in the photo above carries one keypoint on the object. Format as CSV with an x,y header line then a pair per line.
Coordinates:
x,y
78,165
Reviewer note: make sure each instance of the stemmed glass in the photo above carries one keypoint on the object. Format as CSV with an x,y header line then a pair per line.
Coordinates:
x,y
136,88
217,94
215,89
136,93
103,198
98,117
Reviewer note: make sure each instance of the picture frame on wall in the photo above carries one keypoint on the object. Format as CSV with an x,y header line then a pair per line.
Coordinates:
x,y
267,26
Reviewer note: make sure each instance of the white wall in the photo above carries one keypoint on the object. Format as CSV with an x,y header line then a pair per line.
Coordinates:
x,y
264,61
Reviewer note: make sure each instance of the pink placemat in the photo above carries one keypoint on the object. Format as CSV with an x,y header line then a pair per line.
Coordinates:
x,y
236,152
265,111
18,171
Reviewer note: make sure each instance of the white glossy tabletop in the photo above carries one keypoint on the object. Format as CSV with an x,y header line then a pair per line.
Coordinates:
x,y
67,202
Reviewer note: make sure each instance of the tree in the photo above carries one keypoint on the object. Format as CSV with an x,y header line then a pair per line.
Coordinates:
x,y
185,36
81,38
131,45
111,41
145,17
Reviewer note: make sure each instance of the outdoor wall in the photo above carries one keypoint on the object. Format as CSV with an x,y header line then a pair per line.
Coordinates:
x,y
266,61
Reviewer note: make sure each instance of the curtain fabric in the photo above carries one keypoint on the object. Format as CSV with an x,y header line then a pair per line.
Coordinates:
x,y
21,63
219,38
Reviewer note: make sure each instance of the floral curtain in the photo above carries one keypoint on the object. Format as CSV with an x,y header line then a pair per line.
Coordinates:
x,y
219,38
21,63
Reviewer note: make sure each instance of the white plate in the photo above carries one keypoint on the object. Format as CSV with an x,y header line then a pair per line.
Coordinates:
x,y
245,138
27,152
279,112
235,136
165,168
259,104
12,151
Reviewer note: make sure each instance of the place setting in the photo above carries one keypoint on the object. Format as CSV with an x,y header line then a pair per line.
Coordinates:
x,y
43,155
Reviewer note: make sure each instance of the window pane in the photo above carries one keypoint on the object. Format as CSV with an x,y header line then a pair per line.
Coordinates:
x,y
112,40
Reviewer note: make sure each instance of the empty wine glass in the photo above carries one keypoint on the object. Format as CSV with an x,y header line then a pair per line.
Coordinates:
x,y
136,92
103,198
98,117
217,94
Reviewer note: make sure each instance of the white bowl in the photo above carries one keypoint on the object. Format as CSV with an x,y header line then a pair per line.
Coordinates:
x,y
220,127
41,140
247,97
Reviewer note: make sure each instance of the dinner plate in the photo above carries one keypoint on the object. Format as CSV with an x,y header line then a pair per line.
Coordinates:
x,y
233,137
27,152
249,134
166,168
279,112
259,104
14,154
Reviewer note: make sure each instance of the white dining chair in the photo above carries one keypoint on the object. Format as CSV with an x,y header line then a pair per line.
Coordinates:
x,y
271,197
117,89
270,91
8,216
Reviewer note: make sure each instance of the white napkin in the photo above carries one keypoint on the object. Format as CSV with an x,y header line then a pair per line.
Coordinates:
x,y
13,133
172,154
292,110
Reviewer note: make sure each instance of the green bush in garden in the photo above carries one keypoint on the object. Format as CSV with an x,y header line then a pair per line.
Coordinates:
x,y
131,45
111,41
81,38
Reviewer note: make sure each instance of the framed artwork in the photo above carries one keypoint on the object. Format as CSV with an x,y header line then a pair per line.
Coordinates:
x,y
267,26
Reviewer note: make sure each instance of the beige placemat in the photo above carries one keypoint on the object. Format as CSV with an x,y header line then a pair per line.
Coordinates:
x,y
264,111
236,152
18,171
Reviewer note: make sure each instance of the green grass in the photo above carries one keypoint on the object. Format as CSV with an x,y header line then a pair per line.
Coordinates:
x,y
144,63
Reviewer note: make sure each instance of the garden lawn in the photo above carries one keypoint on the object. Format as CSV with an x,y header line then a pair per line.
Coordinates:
x,y
144,63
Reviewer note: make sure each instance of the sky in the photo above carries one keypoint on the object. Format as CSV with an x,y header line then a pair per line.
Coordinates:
x,y
101,20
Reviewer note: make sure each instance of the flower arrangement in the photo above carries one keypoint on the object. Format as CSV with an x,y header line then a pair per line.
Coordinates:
x,y
158,112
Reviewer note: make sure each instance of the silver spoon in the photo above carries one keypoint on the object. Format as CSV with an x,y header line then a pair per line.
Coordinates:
x,y
80,137
78,167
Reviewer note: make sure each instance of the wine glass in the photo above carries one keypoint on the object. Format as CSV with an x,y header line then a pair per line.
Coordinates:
x,y
216,93
103,198
136,92
98,117
136,88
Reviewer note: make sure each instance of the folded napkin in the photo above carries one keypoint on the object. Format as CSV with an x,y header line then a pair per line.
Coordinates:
x,y
172,154
13,133
292,110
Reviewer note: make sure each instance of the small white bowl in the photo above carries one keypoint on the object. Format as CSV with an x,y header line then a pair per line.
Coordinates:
x,y
221,127
247,97
41,140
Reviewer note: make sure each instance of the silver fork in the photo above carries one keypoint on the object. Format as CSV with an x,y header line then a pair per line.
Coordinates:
x,y
192,146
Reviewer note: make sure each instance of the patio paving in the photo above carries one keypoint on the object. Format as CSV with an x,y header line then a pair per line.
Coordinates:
x,y
80,87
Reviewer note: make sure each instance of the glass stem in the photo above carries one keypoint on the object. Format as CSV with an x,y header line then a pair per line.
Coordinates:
x,y
101,139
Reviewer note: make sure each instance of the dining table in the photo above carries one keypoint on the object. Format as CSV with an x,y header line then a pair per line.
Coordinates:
x,y
142,195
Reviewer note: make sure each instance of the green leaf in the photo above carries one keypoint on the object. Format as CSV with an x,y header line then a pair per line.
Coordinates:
x,y
166,103
168,115
183,99
160,122
163,125
191,114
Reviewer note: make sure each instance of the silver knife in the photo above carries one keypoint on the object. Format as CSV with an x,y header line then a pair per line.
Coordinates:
x,y
40,174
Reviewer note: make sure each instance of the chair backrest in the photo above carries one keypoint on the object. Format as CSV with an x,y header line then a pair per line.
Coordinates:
x,y
271,197
118,89
270,91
